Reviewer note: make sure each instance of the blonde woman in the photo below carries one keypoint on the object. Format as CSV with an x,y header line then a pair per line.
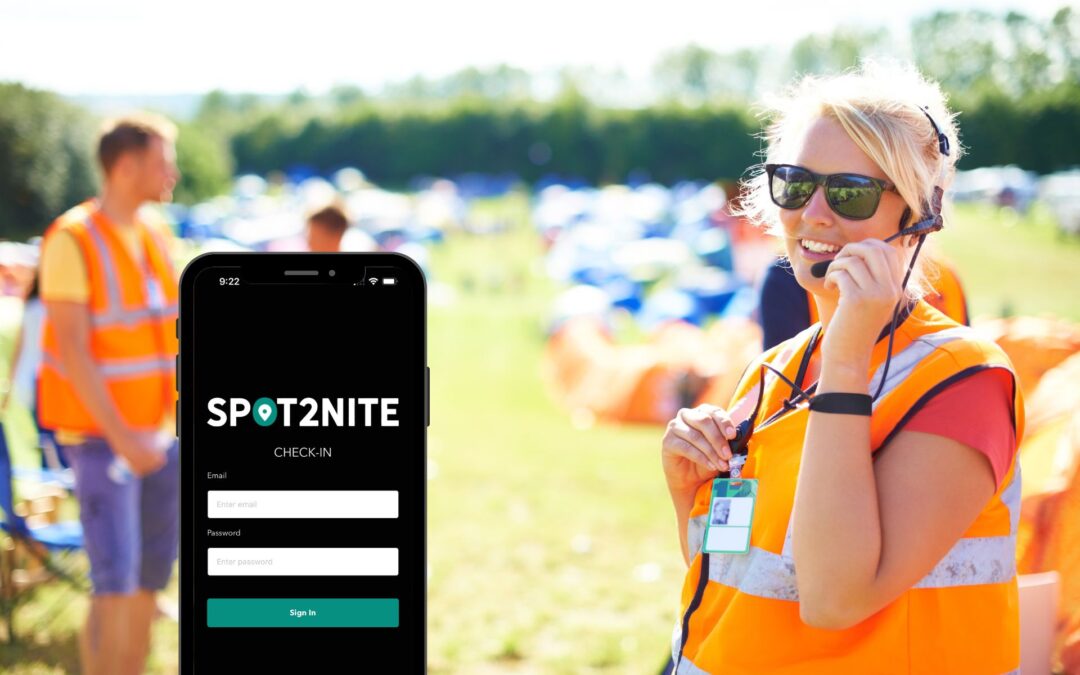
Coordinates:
x,y
873,492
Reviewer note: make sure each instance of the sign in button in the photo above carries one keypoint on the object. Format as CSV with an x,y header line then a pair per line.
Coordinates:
x,y
302,613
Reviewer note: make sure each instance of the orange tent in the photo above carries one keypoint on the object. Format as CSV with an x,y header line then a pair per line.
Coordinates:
x,y
1049,535
1034,344
680,365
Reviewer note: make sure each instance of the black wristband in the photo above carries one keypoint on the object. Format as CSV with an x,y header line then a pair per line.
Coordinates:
x,y
843,403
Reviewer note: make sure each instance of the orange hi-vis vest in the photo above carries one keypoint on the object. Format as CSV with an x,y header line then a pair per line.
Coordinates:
x,y
132,332
962,618
947,295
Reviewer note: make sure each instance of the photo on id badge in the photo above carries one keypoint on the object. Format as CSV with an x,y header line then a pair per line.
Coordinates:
x,y
731,512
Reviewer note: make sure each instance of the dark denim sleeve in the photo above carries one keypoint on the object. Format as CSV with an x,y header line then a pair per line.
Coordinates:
x,y
785,308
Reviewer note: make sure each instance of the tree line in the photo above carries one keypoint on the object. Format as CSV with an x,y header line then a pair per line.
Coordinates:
x,y
1014,79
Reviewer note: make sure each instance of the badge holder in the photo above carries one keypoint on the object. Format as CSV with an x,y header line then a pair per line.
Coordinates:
x,y
731,502
731,511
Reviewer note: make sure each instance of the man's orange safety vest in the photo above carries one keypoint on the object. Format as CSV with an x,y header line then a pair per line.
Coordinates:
x,y
132,331
740,612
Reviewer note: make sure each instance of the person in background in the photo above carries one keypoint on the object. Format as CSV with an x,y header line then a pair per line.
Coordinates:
x,y
108,385
325,229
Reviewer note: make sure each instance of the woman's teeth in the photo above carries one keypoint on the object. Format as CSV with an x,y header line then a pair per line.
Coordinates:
x,y
818,247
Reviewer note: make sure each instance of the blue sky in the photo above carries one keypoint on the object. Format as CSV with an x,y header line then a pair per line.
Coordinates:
x,y
152,47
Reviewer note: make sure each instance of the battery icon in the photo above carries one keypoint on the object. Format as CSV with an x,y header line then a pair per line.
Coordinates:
x,y
389,281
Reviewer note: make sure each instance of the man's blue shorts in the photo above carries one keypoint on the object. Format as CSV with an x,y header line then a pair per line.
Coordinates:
x,y
132,529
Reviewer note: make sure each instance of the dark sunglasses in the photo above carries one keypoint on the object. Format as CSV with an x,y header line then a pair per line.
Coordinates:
x,y
851,195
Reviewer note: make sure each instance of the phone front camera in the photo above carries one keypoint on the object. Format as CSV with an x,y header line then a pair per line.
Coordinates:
x,y
331,272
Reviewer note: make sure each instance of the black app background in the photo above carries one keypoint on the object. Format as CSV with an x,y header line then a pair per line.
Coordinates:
x,y
302,340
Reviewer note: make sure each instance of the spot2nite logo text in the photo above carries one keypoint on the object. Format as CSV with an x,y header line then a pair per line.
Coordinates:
x,y
304,412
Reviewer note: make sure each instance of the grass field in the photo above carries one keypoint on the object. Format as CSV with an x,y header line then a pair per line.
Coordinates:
x,y
1013,264
552,548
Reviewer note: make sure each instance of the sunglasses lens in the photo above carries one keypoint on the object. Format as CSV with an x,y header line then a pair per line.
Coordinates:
x,y
853,196
791,186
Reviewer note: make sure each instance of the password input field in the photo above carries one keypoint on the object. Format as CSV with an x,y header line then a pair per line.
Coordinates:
x,y
305,562
302,504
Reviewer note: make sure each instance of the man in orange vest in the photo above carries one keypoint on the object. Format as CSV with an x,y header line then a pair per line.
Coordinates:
x,y
108,381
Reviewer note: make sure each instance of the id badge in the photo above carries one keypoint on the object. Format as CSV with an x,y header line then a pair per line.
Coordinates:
x,y
730,515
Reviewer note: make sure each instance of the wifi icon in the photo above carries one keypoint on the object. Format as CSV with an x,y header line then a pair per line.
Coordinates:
x,y
373,280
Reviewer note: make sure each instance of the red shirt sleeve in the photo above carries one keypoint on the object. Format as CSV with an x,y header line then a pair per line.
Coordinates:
x,y
976,411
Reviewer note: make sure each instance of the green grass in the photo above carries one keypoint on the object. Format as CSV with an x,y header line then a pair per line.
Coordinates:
x,y
1012,264
552,549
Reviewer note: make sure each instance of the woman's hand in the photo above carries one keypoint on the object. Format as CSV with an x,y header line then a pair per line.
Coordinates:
x,y
868,275
695,446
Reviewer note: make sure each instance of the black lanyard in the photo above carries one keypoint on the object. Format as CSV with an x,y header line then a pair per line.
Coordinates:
x,y
740,444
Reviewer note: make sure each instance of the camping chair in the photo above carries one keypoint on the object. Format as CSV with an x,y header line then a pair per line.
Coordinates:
x,y
39,542
53,471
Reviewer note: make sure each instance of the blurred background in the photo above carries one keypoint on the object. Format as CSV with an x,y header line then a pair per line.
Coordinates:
x,y
565,178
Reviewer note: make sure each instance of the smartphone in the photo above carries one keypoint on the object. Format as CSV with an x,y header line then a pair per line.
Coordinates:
x,y
302,417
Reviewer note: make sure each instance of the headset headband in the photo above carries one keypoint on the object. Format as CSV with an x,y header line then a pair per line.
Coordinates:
x,y
942,139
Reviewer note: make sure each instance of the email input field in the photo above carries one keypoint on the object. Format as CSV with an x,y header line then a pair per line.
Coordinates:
x,y
302,504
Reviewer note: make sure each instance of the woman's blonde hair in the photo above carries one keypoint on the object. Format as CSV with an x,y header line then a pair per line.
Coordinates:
x,y
881,107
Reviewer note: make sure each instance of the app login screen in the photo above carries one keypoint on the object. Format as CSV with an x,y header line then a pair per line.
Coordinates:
x,y
307,424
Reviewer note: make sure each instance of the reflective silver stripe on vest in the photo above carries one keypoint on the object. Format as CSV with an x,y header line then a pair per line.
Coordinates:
x,y
114,314
119,319
676,640
687,667
904,362
112,281
121,368
137,367
757,572
973,561
695,534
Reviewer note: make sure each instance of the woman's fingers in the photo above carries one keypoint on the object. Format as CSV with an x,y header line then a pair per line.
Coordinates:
x,y
714,424
841,280
684,448
695,438
873,266
705,428
856,269
884,257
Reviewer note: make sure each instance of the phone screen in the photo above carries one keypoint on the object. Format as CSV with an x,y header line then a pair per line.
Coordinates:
x,y
303,413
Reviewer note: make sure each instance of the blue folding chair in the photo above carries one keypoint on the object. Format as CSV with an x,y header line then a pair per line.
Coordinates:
x,y
39,542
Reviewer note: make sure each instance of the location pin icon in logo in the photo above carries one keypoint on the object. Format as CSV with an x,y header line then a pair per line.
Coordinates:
x,y
265,412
